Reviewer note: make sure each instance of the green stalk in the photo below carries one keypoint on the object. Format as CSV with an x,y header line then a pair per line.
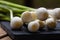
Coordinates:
x,y
5,9
1,15
16,5
5,18
16,10
19,15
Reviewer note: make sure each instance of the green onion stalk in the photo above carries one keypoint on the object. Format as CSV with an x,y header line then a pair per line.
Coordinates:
x,y
5,9
15,5
4,17
17,9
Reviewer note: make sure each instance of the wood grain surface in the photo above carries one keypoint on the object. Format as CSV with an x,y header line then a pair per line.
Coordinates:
x,y
6,38
3,35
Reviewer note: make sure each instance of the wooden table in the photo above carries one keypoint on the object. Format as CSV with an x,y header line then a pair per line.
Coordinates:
x,y
3,35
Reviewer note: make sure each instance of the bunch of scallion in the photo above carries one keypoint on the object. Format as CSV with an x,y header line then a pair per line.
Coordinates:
x,y
17,10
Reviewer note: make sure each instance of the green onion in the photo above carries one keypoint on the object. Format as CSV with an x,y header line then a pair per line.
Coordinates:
x,y
5,18
1,15
17,9
13,9
16,5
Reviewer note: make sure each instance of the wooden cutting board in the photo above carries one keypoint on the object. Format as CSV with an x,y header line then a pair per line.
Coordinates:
x,y
6,38
3,35
2,32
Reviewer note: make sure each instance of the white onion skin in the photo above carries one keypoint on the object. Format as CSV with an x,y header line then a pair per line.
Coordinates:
x,y
16,23
33,26
26,17
50,12
51,23
41,13
41,24
56,13
34,16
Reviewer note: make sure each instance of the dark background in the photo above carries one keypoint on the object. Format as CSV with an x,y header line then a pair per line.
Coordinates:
x,y
38,3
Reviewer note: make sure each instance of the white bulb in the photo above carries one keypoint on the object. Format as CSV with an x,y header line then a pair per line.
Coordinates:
x,y
51,13
34,16
33,26
16,22
42,13
41,23
51,23
26,17
57,13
